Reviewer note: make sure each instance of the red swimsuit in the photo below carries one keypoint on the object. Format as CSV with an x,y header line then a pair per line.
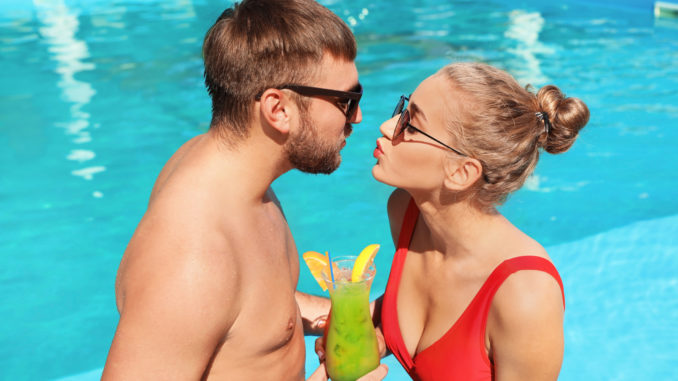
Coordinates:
x,y
460,353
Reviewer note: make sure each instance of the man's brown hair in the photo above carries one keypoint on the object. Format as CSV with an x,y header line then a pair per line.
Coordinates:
x,y
261,44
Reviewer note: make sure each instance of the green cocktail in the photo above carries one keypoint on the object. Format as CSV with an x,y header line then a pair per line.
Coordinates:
x,y
351,344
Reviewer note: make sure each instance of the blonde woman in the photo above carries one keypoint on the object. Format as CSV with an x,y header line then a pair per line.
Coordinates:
x,y
470,296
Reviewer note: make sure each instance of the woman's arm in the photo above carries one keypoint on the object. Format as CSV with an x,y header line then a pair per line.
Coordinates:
x,y
525,328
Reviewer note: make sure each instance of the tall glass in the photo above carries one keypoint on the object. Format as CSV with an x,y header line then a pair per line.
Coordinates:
x,y
351,348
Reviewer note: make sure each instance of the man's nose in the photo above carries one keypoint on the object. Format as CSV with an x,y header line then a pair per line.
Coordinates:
x,y
357,116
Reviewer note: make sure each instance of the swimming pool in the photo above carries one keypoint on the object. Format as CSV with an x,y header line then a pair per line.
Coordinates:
x,y
96,95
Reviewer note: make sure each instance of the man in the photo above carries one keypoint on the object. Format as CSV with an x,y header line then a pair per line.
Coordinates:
x,y
206,287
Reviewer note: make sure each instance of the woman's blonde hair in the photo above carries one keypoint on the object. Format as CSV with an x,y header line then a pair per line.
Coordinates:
x,y
504,125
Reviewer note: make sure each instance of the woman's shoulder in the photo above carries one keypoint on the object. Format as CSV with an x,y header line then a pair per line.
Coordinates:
x,y
532,279
527,287
529,295
525,324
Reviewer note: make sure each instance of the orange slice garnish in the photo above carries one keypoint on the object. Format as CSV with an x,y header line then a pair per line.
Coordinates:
x,y
317,263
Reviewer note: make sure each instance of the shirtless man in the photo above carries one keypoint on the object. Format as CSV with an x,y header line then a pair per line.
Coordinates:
x,y
206,287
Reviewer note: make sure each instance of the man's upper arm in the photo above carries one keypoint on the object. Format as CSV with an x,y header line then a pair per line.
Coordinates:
x,y
175,313
526,328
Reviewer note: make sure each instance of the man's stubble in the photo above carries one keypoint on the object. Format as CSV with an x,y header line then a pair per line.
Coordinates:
x,y
309,153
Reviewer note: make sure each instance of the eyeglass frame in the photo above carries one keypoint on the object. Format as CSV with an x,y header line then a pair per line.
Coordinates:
x,y
352,97
401,126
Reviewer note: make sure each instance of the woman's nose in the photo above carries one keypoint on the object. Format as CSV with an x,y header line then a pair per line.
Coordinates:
x,y
387,127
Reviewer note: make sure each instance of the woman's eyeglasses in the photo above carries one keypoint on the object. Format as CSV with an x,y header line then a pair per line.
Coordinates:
x,y
404,122
346,101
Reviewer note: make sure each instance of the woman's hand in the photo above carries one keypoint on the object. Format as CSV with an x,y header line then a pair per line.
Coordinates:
x,y
320,348
381,342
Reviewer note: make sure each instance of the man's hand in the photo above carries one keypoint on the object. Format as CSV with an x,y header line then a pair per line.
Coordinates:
x,y
314,311
319,323
378,374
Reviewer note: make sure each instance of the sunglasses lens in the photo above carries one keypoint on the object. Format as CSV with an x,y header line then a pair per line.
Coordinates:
x,y
353,103
351,109
399,107
403,120
400,125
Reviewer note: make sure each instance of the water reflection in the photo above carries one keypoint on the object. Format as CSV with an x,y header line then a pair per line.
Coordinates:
x,y
59,27
524,28
178,10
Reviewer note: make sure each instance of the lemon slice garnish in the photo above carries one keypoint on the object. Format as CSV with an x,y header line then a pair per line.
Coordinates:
x,y
363,262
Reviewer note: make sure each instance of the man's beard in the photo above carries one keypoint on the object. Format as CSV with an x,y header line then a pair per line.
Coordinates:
x,y
308,153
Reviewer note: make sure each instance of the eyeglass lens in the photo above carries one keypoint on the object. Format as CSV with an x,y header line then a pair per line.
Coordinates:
x,y
403,120
352,106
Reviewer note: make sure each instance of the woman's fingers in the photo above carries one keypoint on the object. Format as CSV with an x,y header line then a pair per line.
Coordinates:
x,y
320,348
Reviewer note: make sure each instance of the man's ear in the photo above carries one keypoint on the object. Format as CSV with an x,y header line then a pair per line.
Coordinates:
x,y
461,173
274,108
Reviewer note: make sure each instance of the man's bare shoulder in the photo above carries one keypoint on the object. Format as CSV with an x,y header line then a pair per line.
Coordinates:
x,y
178,249
177,294
174,162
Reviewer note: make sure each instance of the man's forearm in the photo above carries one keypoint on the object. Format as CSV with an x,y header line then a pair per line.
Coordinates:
x,y
314,311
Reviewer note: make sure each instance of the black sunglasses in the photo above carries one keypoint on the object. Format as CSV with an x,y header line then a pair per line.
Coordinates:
x,y
404,122
347,101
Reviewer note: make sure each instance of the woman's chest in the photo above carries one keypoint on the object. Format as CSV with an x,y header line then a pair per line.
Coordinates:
x,y
430,302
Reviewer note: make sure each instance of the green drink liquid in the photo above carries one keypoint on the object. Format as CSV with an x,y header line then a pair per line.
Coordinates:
x,y
351,344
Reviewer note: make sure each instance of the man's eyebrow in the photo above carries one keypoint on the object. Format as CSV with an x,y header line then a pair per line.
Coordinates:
x,y
416,110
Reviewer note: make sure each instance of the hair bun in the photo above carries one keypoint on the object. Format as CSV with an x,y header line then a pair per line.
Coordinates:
x,y
566,115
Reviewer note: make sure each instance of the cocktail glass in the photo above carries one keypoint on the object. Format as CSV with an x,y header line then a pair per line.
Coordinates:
x,y
351,348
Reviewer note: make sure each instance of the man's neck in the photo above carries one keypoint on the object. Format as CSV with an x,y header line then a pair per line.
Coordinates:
x,y
250,167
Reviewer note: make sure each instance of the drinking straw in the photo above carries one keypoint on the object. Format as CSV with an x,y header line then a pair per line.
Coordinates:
x,y
329,260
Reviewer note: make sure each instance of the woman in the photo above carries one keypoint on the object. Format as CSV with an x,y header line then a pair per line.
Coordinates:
x,y
470,296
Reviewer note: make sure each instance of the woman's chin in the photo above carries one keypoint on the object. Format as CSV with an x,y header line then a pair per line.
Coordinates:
x,y
377,173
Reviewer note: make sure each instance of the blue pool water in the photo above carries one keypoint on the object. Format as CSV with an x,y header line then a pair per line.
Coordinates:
x,y
96,95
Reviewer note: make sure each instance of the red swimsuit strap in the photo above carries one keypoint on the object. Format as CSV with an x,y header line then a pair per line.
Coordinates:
x,y
389,314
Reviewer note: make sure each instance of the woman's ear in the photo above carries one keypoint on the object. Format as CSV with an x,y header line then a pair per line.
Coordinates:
x,y
461,173
274,108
